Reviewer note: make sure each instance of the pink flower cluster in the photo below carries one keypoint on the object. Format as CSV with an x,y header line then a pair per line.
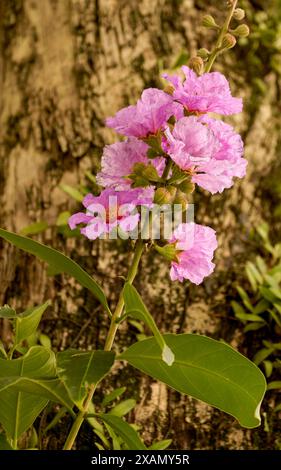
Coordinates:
x,y
206,149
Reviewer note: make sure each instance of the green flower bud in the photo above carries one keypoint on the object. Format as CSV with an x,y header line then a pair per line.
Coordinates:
x,y
203,53
187,187
239,14
208,21
228,41
241,31
168,251
165,195
196,64
181,199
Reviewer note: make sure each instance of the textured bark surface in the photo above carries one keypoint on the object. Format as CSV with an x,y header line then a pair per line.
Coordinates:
x,y
64,66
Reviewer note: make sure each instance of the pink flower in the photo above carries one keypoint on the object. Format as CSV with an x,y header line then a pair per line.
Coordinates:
x,y
118,160
191,143
208,93
109,210
148,116
227,161
196,244
209,150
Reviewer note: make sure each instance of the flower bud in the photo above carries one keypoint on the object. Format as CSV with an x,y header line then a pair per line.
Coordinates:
x,y
228,41
187,187
168,251
239,14
196,64
203,53
169,89
181,199
208,21
241,31
164,195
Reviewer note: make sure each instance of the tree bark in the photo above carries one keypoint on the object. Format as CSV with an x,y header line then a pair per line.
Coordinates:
x,y
64,67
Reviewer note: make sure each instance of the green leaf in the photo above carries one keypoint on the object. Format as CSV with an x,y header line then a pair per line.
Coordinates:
x,y
28,321
267,294
238,309
254,326
206,369
275,385
254,275
18,410
261,265
123,408
57,261
35,228
249,317
63,218
73,192
78,370
262,354
7,312
268,367
161,445
4,444
113,395
135,307
3,353
45,341
124,430
245,298
261,307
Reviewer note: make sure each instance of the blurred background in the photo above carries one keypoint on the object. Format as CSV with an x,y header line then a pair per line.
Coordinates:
x,y
65,65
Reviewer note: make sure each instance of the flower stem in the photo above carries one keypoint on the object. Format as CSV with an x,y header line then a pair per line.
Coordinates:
x,y
167,169
108,345
224,30
119,307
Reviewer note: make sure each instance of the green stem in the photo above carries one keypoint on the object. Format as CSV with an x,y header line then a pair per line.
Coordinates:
x,y
108,345
167,169
119,307
224,30
79,420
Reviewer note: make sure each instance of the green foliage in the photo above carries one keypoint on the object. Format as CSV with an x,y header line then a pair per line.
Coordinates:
x,y
33,379
79,370
260,305
19,409
34,229
135,307
58,262
124,430
28,321
206,369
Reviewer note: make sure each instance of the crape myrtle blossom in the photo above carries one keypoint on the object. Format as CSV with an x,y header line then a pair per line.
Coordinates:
x,y
209,92
196,245
109,210
209,150
119,159
148,116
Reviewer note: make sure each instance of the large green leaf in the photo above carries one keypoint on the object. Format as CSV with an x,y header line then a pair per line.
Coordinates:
x,y
26,386
57,261
78,370
135,308
18,410
124,430
28,321
206,369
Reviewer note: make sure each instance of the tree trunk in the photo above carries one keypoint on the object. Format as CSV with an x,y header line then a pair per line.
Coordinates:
x,y
65,66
